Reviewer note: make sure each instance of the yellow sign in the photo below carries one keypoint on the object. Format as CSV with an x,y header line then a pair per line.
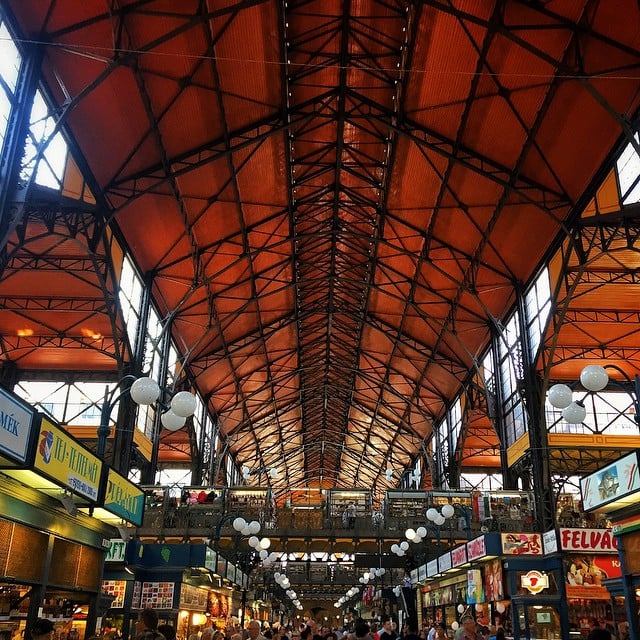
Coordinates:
x,y
534,581
64,460
124,499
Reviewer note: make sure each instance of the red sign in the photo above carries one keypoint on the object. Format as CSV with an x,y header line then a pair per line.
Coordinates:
x,y
476,549
458,556
600,540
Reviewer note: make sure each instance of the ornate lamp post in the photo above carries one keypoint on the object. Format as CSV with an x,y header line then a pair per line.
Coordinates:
x,y
143,391
593,378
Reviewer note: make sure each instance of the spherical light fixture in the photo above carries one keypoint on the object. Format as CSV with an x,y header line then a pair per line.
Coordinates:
x,y
575,413
594,377
432,514
560,396
183,404
144,391
265,543
172,422
239,524
421,532
448,510
254,541
254,526
410,534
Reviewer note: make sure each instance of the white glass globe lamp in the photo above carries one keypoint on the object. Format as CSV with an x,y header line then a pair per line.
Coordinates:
x,y
183,404
144,391
171,422
575,413
560,396
594,377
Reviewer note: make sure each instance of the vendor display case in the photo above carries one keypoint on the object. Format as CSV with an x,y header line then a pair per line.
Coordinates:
x,y
254,503
340,500
403,509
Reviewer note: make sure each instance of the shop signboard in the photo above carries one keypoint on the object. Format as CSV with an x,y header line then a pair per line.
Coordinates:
x,y
615,486
422,572
444,562
123,498
432,568
476,548
593,540
459,556
117,589
516,544
66,462
116,552
16,428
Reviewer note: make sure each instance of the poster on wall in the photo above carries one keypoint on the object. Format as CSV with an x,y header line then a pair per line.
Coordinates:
x,y
585,573
493,585
475,587
157,595
117,589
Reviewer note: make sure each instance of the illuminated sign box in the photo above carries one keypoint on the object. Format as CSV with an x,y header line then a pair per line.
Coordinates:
x,y
612,487
16,430
120,499
57,462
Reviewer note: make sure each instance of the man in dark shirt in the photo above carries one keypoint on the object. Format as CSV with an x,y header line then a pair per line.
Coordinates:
x,y
388,632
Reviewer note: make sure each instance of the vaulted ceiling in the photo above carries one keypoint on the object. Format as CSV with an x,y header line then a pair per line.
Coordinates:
x,y
333,202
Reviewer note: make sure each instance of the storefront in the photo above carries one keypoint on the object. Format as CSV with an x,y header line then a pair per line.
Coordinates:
x,y
536,584
52,539
614,492
467,579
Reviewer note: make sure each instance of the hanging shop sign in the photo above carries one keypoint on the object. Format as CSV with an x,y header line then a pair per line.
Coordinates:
x,y
534,581
476,548
444,562
475,587
67,462
432,568
516,544
595,540
16,429
612,487
493,580
123,498
459,556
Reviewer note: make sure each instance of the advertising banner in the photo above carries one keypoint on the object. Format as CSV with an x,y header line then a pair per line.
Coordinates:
x,y
585,573
66,461
493,585
611,484
516,544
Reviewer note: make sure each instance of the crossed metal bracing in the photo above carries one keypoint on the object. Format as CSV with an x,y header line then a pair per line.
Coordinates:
x,y
334,204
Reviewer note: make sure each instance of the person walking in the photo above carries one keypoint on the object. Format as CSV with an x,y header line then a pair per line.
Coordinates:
x,y
255,630
147,626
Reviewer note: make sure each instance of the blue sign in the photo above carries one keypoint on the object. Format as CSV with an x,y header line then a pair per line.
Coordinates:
x,y
16,424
